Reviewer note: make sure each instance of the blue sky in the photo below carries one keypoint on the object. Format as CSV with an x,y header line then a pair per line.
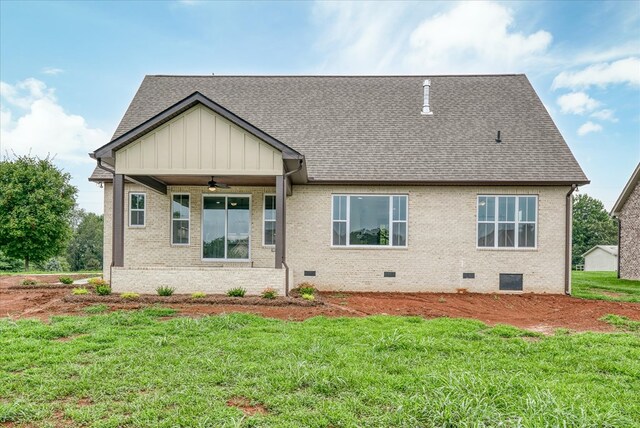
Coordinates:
x,y
69,69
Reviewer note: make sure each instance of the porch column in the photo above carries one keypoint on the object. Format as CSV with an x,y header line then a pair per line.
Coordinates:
x,y
117,242
281,188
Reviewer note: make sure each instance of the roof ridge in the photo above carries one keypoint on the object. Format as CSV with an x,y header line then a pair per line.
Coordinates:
x,y
337,75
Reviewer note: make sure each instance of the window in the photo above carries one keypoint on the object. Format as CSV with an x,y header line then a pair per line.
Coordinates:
x,y
507,221
269,237
226,221
180,219
369,220
136,209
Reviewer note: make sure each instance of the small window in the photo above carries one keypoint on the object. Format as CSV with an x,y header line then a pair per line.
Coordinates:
x,y
507,221
369,220
137,204
180,210
269,236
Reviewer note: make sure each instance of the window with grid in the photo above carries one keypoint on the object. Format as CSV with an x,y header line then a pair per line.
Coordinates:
x,y
507,221
137,203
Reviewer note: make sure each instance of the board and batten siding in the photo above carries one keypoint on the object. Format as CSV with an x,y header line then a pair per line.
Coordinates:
x,y
199,142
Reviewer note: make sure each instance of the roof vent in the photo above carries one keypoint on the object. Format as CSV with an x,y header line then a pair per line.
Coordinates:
x,y
426,86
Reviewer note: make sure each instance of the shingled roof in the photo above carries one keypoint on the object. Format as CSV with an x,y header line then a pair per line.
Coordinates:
x,y
370,128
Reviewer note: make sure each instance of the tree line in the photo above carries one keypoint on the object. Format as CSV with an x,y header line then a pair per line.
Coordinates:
x,y
41,227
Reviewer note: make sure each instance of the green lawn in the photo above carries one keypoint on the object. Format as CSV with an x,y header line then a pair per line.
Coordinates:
x,y
47,272
604,286
133,369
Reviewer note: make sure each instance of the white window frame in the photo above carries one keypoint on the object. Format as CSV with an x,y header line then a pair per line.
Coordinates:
x,y
173,220
516,222
264,219
391,221
226,196
144,210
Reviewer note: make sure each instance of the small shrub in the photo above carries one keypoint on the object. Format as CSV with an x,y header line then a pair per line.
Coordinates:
x,y
129,295
308,297
165,290
96,309
307,288
103,290
198,295
29,281
65,280
97,281
79,291
236,292
269,293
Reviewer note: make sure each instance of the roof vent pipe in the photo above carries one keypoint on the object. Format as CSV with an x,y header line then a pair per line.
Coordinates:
x,y
426,86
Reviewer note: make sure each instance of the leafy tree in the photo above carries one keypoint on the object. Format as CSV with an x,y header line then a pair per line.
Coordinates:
x,y
36,201
592,226
85,249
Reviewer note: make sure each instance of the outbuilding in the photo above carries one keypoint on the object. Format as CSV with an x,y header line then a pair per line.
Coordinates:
x,y
601,258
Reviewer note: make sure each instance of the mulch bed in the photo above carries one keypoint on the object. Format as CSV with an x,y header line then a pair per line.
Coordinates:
x,y
187,299
49,286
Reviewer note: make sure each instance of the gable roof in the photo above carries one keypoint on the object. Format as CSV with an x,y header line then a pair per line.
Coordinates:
x,y
627,191
370,128
611,249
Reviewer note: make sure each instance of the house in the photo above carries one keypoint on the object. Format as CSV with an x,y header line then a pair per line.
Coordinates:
x,y
627,211
363,183
601,258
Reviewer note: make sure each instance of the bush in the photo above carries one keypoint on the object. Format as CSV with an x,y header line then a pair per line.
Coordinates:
x,y
198,295
129,295
165,290
236,292
54,264
65,280
103,290
29,281
79,291
97,281
308,297
269,293
307,288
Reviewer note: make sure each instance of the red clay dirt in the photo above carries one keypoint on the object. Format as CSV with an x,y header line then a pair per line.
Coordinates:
x,y
538,312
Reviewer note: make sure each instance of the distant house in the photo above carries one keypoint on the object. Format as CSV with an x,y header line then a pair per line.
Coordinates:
x,y
601,258
396,183
627,210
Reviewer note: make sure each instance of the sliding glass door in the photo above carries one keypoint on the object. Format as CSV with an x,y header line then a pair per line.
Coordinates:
x,y
226,224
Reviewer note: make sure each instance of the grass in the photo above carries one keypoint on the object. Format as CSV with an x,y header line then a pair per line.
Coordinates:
x,y
621,322
604,286
132,369
48,272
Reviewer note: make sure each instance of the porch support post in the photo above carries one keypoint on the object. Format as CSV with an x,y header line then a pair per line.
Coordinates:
x,y
281,188
117,243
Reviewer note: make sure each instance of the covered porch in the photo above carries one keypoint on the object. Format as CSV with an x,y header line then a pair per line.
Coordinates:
x,y
194,236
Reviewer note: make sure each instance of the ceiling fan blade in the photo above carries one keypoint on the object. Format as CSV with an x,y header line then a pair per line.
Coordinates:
x,y
222,185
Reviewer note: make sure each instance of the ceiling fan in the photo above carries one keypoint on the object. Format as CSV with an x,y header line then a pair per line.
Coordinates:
x,y
214,185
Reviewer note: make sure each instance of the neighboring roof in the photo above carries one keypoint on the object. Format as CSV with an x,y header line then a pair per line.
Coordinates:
x,y
100,174
370,128
627,191
611,249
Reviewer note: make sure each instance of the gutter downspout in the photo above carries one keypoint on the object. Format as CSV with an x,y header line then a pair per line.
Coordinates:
x,y
112,171
284,261
619,246
568,240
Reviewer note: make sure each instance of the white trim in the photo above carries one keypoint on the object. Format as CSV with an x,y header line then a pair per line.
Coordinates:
x,y
144,210
225,196
516,222
172,220
348,221
264,220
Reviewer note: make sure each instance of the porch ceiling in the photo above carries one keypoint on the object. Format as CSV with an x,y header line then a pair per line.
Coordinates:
x,y
231,180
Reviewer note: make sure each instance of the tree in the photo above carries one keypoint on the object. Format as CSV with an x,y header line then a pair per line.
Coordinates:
x,y
85,249
36,201
592,226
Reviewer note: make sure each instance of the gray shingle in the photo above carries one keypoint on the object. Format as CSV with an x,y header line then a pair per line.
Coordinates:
x,y
366,128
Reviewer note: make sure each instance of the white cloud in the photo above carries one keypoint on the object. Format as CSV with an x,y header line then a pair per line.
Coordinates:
x,y
602,74
605,114
52,70
470,37
589,127
477,37
43,127
577,103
